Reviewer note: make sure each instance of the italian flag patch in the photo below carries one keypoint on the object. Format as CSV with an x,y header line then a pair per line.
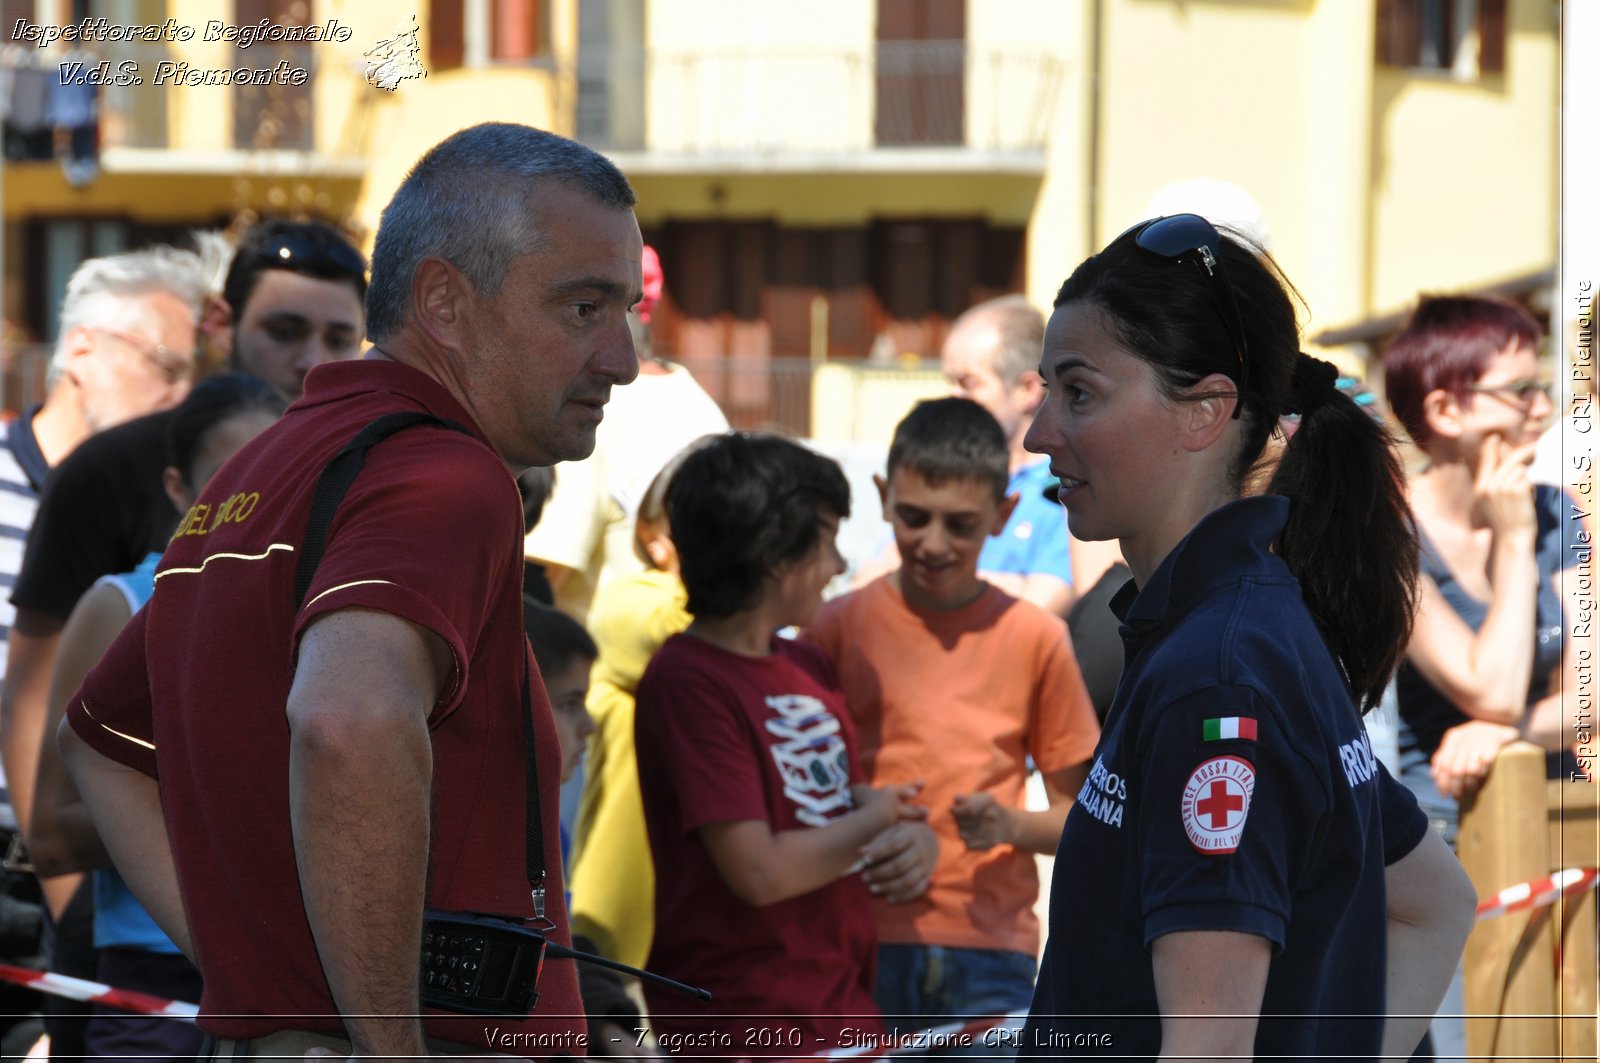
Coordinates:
x,y
1226,727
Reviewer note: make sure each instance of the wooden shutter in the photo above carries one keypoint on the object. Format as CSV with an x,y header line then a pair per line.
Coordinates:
x,y
853,310
1492,31
957,256
1399,37
516,30
921,72
447,34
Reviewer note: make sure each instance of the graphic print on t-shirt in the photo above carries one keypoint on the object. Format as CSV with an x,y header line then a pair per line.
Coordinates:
x,y
1216,800
812,758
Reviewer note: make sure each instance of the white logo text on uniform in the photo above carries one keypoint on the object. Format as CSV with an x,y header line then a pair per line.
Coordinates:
x,y
1103,793
1359,763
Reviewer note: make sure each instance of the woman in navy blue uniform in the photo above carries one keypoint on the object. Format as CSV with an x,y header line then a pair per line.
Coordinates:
x,y
1239,876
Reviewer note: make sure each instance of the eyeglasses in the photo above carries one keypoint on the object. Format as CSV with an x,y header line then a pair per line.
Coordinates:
x,y
1522,392
173,367
1190,238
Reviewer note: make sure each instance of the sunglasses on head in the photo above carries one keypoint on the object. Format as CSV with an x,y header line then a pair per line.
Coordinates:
x,y
311,254
1190,238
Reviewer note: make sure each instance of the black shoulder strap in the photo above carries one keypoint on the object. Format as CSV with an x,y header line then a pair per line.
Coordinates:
x,y
336,479
331,487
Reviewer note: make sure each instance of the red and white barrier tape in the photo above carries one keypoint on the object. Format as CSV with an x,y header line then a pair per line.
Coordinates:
x,y
61,985
946,1036
1535,894
1539,892
907,1044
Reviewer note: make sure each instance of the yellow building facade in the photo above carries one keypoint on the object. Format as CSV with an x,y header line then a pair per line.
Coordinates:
x,y
838,179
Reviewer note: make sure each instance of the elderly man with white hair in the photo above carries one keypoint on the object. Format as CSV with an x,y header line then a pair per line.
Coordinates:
x,y
125,347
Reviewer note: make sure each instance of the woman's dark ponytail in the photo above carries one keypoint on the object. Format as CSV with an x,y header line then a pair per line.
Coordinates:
x,y
1350,540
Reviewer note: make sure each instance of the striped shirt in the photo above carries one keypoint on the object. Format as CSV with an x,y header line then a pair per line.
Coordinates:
x,y
22,473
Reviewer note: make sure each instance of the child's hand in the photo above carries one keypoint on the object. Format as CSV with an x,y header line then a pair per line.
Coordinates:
x,y
879,804
899,861
982,821
907,794
892,803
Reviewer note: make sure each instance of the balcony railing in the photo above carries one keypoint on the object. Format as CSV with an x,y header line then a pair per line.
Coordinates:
x,y
156,111
797,102
896,94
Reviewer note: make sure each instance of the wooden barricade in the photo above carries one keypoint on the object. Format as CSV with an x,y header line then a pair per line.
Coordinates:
x,y
1531,975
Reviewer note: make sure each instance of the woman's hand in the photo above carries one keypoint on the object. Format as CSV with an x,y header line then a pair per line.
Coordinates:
x,y
1502,494
1464,757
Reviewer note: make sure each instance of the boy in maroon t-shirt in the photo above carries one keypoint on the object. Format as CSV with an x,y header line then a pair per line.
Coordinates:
x,y
766,842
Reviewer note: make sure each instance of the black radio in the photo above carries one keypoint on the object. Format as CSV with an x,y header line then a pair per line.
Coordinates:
x,y
480,966
486,965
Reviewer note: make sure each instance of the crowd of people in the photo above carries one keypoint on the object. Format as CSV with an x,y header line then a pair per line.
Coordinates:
x,y
286,723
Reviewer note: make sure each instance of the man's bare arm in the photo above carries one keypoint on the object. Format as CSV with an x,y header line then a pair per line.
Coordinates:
x,y
126,808
61,837
24,704
360,784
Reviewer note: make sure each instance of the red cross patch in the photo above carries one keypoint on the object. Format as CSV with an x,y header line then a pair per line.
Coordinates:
x,y
1216,800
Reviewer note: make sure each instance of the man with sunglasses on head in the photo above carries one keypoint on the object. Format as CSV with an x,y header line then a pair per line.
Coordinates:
x,y
292,299
125,346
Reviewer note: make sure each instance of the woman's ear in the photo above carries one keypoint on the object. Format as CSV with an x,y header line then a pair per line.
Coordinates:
x,y
1441,413
1206,414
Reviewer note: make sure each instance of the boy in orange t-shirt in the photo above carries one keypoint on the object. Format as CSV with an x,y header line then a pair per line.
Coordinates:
x,y
954,683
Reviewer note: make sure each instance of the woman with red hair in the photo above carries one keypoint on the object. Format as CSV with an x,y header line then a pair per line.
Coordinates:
x,y
1485,659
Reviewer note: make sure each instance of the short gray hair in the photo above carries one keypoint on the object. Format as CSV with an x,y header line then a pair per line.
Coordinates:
x,y
1021,329
470,201
97,289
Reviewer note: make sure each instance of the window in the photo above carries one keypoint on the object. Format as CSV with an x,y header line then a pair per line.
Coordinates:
x,y
921,72
1440,35
909,276
611,65
479,32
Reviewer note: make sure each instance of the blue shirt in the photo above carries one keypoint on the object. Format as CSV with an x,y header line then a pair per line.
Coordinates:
x,y
119,919
1234,788
1035,538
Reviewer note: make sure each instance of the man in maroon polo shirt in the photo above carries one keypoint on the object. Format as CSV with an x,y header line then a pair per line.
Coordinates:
x,y
328,771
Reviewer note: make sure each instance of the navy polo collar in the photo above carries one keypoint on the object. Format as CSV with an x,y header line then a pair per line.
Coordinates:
x,y
1229,544
24,446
